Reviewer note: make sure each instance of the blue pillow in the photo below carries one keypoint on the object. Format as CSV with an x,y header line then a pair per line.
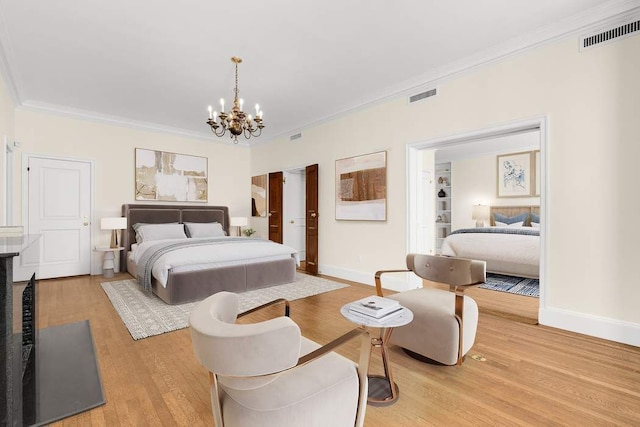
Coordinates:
x,y
510,219
535,218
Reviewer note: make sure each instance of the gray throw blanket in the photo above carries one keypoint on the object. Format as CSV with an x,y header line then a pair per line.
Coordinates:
x,y
151,255
526,231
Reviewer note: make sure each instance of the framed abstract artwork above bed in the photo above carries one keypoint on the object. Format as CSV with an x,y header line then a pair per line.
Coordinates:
x,y
170,177
516,175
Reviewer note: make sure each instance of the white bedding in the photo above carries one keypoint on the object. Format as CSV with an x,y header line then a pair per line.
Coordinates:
x,y
210,256
511,254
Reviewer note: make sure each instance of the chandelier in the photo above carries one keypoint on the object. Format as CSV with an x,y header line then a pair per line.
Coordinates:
x,y
236,121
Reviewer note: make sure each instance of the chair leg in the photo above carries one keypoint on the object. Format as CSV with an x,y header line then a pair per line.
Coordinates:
x,y
215,400
459,313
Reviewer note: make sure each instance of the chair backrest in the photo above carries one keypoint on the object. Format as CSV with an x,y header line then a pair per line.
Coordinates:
x,y
241,350
448,270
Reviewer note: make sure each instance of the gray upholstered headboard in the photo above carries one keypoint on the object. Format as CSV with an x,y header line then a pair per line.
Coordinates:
x,y
160,214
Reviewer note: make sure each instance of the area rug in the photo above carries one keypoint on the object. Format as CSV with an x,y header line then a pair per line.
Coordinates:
x,y
512,284
146,315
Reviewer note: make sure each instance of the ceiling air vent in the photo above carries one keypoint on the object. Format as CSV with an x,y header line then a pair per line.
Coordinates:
x,y
609,35
296,136
423,95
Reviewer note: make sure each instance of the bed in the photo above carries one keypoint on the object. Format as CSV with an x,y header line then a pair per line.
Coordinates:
x,y
180,269
510,246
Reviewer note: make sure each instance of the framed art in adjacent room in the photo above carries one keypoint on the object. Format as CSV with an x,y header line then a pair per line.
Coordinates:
x,y
170,177
259,195
515,173
361,187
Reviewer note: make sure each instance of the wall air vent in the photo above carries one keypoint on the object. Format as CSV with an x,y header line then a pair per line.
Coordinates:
x,y
296,136
423,95
609,35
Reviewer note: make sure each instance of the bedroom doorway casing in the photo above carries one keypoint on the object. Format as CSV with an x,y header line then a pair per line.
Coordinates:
x,y
417,207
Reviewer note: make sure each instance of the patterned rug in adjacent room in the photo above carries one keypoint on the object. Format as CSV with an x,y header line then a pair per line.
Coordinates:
x,y
147,315
512,284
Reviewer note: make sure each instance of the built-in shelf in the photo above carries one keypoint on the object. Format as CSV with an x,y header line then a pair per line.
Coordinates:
x,y
443,204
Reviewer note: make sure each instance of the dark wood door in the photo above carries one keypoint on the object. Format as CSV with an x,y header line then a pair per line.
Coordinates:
x,y
312,219
275,206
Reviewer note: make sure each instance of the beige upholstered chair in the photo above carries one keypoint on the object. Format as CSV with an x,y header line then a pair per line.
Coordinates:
x,y
267,374
445,322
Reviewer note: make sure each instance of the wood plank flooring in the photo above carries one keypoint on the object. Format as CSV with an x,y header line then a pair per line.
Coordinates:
x,y
533,375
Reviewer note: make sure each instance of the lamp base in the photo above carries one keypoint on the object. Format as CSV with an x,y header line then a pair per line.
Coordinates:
x,y
479,223
114,239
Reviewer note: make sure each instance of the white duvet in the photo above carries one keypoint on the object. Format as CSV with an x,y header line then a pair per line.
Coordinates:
x,y
512,254
210,256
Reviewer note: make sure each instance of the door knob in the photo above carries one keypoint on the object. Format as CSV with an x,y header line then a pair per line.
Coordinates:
x,y
292,221
313,214
85,222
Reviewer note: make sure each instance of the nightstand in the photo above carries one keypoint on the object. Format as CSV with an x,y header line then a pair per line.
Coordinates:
x,y
108,264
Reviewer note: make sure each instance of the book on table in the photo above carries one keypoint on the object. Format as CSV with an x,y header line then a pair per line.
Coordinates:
x,y
375,306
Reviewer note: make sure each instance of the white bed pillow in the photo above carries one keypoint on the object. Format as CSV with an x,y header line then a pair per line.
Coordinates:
x,y
204,229
512,225
149,232
535,225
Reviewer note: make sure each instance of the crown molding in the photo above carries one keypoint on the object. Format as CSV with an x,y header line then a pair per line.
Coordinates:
x,y
40,107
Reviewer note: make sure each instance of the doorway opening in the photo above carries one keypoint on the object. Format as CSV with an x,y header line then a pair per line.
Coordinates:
x,y
293,215
425,234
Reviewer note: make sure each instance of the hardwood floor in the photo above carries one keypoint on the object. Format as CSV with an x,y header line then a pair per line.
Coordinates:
x,y
533,375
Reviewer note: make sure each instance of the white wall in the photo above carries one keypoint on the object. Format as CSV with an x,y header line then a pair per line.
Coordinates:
x,y
6,130
112,148
590,100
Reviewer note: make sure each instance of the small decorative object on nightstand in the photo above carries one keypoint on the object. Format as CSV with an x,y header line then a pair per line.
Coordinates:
x,y
248,232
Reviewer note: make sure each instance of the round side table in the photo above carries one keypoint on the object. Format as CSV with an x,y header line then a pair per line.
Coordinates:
x,y
383,390
108,264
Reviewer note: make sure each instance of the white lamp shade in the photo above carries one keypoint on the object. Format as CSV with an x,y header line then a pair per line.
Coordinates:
x,y
238,221
480,212
115,223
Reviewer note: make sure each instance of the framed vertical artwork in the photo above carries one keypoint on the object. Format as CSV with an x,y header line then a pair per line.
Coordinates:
x,y
259,195
361,187
515,175
170,177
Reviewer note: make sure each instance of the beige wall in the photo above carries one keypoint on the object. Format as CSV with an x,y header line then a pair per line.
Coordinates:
x,y
112,148
6,131
590,100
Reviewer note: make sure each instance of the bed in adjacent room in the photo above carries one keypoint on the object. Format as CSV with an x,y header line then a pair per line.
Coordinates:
x,y
511,245
183,253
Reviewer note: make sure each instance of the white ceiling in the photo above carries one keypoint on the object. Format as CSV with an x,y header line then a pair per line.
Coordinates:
x,y
160,63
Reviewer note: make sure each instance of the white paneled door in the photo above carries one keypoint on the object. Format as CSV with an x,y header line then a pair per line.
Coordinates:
x,y
60,211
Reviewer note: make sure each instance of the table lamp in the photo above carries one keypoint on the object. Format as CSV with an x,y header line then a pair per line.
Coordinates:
x,y
113,224
238,221
480,213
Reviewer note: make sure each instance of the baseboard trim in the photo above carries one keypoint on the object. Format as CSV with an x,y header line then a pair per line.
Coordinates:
x,y
595,326
395,282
